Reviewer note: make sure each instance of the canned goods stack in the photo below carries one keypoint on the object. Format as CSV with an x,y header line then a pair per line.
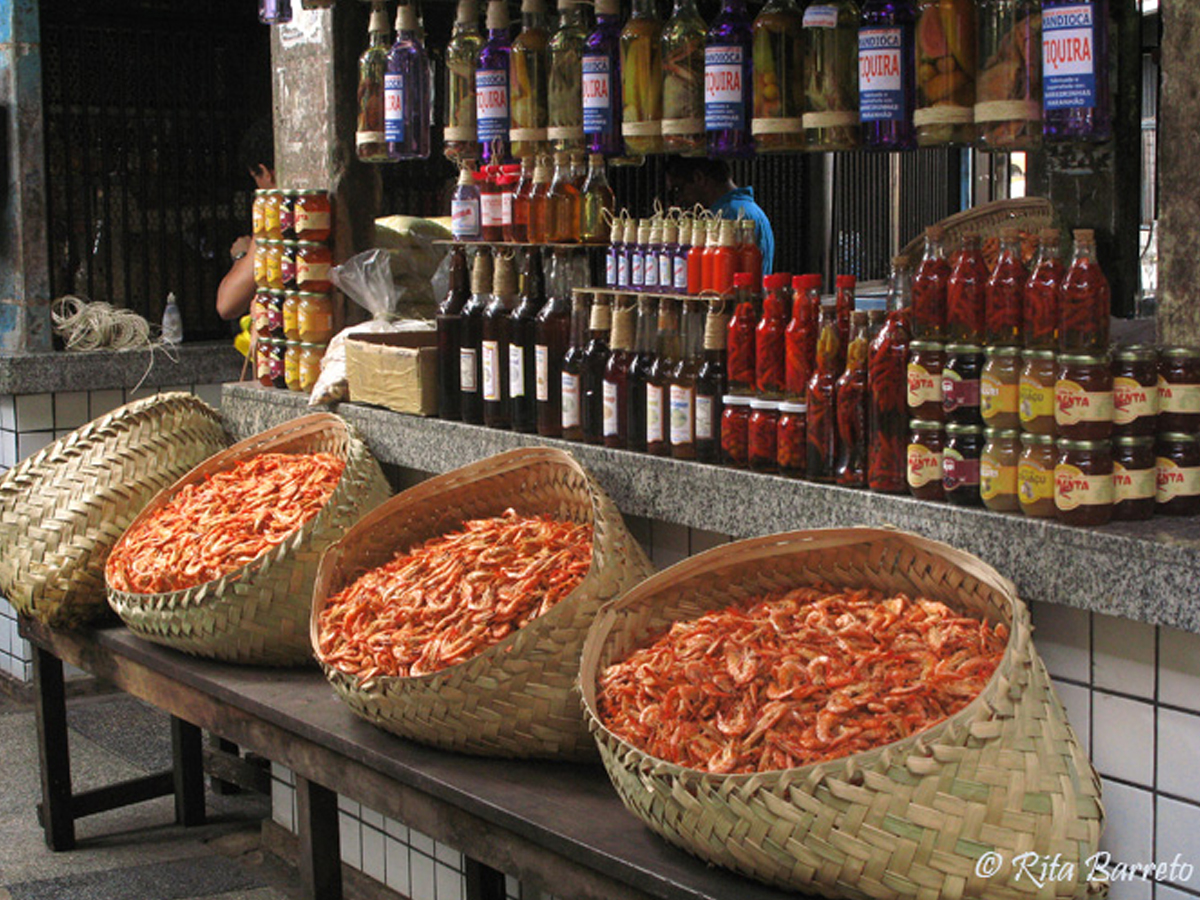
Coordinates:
x,y
293,302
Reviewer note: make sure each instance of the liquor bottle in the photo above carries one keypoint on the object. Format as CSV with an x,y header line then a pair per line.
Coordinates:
x,y
595,361
930,285
658,384
597,199
572,369
370,140
821,423
778,123
552,333
539,204
728,82
886,80
650,256
471,331
666,256
850,395
711,385
965,303
831,75
274,12
602,82
1076,102
522,347
449,333
461,54
565,89
887,385
563,203
529,82
1084,300
639,372
1008,92
682,398
497,330
683,81
492,110
465,215
625,260
616,379
521,200
725,261
642,80
491,204
407,91
616,252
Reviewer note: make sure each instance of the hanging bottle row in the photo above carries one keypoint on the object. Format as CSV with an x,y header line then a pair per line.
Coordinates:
x,y
884,75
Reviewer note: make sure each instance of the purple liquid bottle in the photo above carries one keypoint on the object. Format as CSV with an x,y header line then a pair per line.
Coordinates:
x,y
406,94
729,82
274,12
887,74
602,95
1076,103
491,86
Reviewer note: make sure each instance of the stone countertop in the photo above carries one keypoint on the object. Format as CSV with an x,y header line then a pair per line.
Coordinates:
x,y
1143,571
205,362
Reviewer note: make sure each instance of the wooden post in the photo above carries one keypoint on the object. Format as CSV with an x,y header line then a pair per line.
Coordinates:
x,y
320,843
50,710
187,753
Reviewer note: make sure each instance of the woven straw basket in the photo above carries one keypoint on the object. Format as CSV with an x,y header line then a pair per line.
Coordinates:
x,y
256,614
62,509
916,818
519,697
1029,214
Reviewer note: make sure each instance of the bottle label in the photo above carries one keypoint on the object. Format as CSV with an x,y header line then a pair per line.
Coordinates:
x,y
506,205
1131,401
317,220
880,81
308,273
490,208
1068,57
393,107
654,413
651,270
1034,483
516,370
664,270
597,99
491,371
821,17
1175,481
923,386
638,269
958,472
1072,404
996,398
610,270
1178,398
570,400
623,270
1073,488
996,480
705,419
924,465
491,104
610,409
466,370
1134,484
464,219
959,392
680,280
1035,401
683,421
541,363
724,92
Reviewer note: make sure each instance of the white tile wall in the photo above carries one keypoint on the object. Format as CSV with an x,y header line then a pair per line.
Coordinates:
x,y
1123,656
1177,834
423,872
8,412
30,442
100,402
373,858
1179,754
1123,731
1134,808
350,835
35,412
1062,635
398,877
670,544
1179,670
70,409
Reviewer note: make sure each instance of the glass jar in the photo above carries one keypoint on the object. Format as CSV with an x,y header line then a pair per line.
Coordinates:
x,y
291,365
998,387
313,215
287,217
313,262
315,318
1083,482
926,360
287,265
1135,473
258,224
263,348
946,73
291,316
790,442
1135,390
960,383
262,275
258,312
1178,465
272,261
998,469
273,314
1083,397
1008,95
960,463
310,365
735,430
763,433
926,443
1179,390
1035,392
1035,475
271,224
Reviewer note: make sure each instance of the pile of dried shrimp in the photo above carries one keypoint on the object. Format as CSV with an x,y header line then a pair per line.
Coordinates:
x,y
219,524
791,679
452,597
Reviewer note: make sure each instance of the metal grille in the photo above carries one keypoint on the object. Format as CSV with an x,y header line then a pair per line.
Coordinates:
x,y
145,103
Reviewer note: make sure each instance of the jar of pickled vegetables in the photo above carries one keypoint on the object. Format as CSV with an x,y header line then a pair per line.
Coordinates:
x,y
315,318
778,46
1035,392
291,316
291,365
262,270
1178,464
1179,390
1035,475
735,430
1135,477
960,383
945,52
1083,482
313,262
960,463
831,75
1083,397
258,215
998,469
926,360
763,434
999,386
926,443
310,365
313,215
790,442
1135,390
271,224
1008,95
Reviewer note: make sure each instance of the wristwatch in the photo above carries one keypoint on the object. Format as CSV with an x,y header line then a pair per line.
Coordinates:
x,y
237,256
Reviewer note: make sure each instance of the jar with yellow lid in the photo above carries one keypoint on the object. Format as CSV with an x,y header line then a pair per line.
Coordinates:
x,y
998,469
291,365
998,387
1035,392
310,365
315,318
1035,475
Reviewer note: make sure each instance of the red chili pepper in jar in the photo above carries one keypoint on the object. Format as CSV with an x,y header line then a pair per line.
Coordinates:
x,y
769,351
930,286
1005,293
801,336
965,301
1039,314
740,340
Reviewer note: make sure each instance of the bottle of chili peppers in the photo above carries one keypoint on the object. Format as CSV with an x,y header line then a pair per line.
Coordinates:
x,y
930,284
965,302
790,444
740,340
735,430
821,424
763,432
887,381
845,305
639,371
1084,300
769,354
851,403
750,257
658,386
726,259
710,385
1005,291
1039,313
695,257
800,338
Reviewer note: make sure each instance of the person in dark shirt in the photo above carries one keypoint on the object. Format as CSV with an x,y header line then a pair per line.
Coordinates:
x,y
236,290
709,182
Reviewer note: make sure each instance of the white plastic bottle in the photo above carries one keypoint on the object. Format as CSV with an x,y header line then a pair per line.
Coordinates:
x,y
172,322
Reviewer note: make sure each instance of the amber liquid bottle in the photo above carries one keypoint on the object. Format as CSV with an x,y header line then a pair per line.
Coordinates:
x,y
639,371
538,231
553,332
564,203
711,385
572,370
595,361
471,330
616,378
658,385
522,347
682,397
497,327
449,332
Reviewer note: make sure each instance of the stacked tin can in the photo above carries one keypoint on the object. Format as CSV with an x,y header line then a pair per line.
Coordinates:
x,y
293,301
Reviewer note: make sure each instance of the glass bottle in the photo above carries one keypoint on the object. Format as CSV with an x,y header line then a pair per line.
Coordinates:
x,y
651,253
658,384
800,339
642,80
370,140
887,382
616,379
491,204
563,203
728,82
551,335
1008,94
602,82
597,200
636,246
750,257
497,333
725,261
1076,103
540,213
850,401
616,252
683,80
682,400
845,285
461,54
639,372
1005,289
831,75
406,91
966,293
778,123
741,336
886,80
595,362
470,372
666,256
770,357
522,196
572,369
465,208
274,12
946,71
821,422
522,347
1084,300
529,82
492,109
629,247
710,385
449,333
565,90
1039,310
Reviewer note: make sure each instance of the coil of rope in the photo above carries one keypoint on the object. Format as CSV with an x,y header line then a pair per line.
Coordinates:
x,y
98,326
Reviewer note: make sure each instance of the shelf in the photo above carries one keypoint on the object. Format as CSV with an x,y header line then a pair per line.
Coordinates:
x,y
516,245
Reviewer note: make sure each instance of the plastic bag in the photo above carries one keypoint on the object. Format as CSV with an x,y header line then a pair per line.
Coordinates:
x,y
415,259
367,280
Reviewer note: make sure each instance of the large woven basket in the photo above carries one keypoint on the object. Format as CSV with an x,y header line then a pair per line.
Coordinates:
x,y
1029,214
518,698
257,614
927,816
62,509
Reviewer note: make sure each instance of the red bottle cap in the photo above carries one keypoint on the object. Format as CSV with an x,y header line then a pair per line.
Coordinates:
x,y
775,281
743,280
806,282
847,281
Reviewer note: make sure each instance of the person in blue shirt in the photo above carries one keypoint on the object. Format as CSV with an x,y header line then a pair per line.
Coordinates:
x,y
709,182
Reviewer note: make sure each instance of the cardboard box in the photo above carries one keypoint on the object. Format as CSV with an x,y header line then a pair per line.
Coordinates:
x,y
397,370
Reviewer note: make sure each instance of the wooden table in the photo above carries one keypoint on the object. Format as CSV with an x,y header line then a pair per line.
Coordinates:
x,y
558,827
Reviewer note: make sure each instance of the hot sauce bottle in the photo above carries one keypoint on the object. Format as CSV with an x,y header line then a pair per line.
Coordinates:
x,y
965,295
740,339
1039,312
639,372
845,285
725,260
769,350
930,284
449,332
616,379
471,331
658,386
800,338
850,397
695,257
1005,291
711,385
1085,300
887,380
553,331
595,362
750,257
497,322
572,369
821,423
522,347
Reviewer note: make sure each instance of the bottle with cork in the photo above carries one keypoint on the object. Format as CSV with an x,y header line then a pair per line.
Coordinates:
x,y
682,399
522,347
496,333
711,385
639,371
572,368
595,362
471,338
616,375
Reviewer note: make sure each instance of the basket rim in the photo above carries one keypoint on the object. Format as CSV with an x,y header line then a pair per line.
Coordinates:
x,y
1002,211
1020,632
458,479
